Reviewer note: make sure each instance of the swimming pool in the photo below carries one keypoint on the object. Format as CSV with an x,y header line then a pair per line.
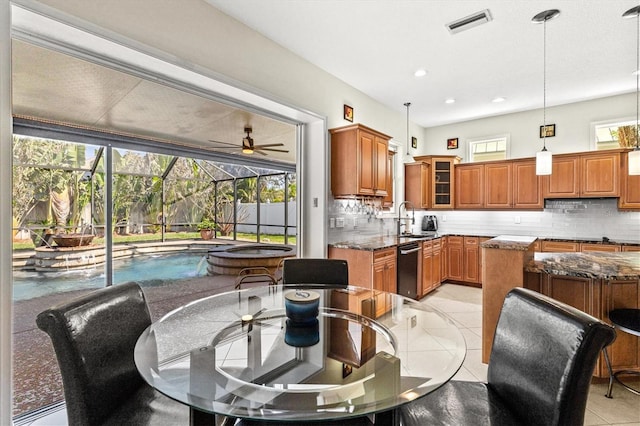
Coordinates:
x,y
149,270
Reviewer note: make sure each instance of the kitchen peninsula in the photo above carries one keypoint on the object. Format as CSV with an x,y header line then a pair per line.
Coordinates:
x,y
594,282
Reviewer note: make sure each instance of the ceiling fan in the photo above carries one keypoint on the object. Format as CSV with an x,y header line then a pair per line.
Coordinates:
x,y
248,147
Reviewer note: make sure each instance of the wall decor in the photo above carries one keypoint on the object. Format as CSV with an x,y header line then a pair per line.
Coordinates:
x,y
348,113
452,143
414,142
548,131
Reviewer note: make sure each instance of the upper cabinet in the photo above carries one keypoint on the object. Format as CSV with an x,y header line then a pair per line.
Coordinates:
x,y
629,187
359,162
593,174
498,185
416,184
387,201
440,183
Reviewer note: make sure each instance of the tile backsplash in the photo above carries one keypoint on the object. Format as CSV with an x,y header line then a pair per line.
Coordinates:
x,y
566,218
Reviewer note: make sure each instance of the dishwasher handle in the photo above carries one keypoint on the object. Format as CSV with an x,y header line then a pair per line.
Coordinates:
x,y
410,250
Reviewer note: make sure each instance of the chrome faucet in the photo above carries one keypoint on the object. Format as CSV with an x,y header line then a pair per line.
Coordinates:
x,y
413,211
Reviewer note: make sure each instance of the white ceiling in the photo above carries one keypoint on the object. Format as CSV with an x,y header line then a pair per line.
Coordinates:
x,y
376,45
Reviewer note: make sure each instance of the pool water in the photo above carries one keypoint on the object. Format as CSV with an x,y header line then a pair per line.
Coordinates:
x,y
149,270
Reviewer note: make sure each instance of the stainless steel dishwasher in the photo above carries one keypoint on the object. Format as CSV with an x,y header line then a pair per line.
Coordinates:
x,y
409,256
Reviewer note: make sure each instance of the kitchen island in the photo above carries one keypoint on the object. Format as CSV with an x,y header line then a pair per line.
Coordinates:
x,y
594,282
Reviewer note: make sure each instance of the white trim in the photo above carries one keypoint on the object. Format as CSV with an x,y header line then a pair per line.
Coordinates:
x,y
6,273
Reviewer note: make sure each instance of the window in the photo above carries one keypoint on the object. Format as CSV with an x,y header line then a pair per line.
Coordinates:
x,y
486,149
614,134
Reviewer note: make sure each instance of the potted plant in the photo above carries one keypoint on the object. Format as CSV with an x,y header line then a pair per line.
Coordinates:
x,y
206,227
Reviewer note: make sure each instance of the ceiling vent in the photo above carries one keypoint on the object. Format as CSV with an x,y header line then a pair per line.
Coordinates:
x,y
470,21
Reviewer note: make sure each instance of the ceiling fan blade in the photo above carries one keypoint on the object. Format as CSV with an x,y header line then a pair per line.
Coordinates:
x,y
259,151
223,143
268,145
271,149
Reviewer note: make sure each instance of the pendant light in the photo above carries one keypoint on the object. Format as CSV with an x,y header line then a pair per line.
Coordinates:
x,y
408,104
634,156
544,157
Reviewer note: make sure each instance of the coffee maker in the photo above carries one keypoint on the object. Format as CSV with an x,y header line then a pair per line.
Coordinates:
x,y
429,223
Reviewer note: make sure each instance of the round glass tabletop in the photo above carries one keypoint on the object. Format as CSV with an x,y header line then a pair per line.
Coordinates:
x,y
274,353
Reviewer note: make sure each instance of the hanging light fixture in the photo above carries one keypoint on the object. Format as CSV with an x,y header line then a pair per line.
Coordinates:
x,y
408,104
544,157
634,156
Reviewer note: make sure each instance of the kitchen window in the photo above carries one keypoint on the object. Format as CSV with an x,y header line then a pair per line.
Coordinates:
x,y
614,134
486,149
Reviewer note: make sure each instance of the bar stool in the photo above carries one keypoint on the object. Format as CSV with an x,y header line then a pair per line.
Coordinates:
x,y
627,320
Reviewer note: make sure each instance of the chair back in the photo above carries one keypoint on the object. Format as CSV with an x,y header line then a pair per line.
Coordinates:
x,y
321,272
543,356
94,338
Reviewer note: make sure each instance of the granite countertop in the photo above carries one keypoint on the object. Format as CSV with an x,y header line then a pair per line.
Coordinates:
x,y
595,265
379,243
510,242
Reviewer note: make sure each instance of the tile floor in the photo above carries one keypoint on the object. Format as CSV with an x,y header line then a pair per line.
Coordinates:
x,y
464,305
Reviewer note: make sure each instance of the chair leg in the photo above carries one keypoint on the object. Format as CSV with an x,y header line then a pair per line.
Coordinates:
x,y
611,376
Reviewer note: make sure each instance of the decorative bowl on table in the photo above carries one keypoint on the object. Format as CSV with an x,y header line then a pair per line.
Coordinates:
x,y
73,240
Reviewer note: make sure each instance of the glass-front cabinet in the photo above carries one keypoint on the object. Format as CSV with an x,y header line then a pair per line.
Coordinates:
x,y
442,179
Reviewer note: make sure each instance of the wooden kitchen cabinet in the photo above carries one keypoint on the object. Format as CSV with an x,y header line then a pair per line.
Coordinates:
x,y
498,185
431,265
594,174
455,258
599,247
417,184
629,187
559,246
387,201
359,162
442,180
527,186
469,186
374,270
471,262
384,278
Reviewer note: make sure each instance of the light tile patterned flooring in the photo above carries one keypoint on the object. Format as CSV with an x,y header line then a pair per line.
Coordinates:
x,y
464,305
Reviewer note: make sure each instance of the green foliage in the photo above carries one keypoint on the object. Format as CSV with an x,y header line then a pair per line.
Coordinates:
x,y
207,223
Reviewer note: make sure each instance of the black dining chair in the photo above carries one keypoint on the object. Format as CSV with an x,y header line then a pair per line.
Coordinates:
x,y
315,271
628,321
94,337
540,368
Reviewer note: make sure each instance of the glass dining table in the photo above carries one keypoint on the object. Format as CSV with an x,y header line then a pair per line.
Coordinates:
x,y
264,353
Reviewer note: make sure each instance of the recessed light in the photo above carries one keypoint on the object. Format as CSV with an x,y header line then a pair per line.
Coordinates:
x,y
450,101
420,73
498,99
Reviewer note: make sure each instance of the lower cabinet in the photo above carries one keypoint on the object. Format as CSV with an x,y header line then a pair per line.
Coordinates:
x,y
464,260
375,270
431,265
455,258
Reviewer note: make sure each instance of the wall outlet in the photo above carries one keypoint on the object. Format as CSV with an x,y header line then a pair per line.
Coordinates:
x,y
444,218
339,222
332,222
517,219
414,321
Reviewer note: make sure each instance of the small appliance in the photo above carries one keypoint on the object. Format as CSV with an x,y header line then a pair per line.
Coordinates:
x,y
429,223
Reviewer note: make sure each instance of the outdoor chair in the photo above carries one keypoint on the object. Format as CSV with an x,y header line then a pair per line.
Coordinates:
x,y
318,272
540,368
94,337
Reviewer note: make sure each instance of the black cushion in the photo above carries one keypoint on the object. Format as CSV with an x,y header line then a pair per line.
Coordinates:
x,y
542,359
94,338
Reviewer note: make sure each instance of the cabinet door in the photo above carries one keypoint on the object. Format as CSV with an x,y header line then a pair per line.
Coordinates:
x,y
416,184
564,179
624,352
527,186
471,260
498,185
599,247
436,272
600,175
469,193
381,162
367,151
559,247
427,270
387,201
455,258
443,180
630,188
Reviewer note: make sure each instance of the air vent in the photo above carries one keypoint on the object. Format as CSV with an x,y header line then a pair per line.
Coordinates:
x,y
470,21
